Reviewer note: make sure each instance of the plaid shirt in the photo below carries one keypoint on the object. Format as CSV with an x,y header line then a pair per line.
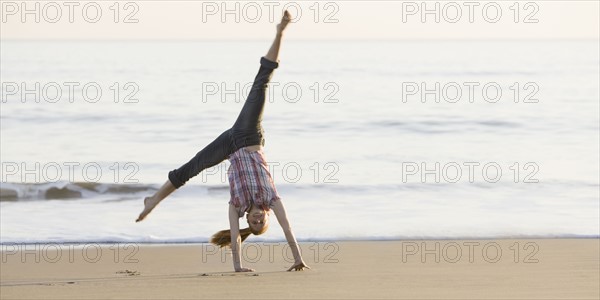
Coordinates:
x,y
250,180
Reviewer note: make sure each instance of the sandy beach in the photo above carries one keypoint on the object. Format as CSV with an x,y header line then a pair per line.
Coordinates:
x,y
444,269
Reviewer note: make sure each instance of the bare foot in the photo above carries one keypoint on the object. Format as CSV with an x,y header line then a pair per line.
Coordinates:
x,y
285,20
149,205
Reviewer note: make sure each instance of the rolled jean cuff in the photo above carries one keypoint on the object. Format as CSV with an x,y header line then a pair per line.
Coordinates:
x,y
174,180
268,64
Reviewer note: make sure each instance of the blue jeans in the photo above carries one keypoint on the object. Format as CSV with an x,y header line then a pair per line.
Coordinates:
x,y
246,131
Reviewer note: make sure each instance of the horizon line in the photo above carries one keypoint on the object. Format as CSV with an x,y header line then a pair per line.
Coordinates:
x,y
293,40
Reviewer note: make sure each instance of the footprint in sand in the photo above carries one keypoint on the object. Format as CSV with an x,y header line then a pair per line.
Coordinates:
x,y
128,272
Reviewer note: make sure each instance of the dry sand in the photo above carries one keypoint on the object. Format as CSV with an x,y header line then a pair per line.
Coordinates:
x,y
541,268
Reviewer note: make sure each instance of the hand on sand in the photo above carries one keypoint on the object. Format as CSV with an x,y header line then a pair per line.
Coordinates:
x,y
244,270
285,20
299,267
149,205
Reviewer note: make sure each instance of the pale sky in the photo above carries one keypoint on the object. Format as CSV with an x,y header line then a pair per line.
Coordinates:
x,y
323,20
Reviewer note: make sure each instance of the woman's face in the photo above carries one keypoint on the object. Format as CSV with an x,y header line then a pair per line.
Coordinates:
x,y
257,218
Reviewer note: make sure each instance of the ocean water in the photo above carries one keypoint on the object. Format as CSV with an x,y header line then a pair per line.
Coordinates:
x,y
365,140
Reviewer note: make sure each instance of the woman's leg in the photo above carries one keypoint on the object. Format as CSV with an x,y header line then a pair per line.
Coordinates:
x,y
251,114
211,155
250,117
150,202
273,54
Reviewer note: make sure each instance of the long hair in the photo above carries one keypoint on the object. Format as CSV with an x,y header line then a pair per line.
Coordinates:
x,y
223,237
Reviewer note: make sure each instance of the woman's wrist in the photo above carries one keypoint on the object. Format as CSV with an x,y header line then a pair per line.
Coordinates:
x,y
237,265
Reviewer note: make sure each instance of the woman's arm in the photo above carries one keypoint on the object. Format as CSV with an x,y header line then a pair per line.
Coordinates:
x,y
236,240
279,211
